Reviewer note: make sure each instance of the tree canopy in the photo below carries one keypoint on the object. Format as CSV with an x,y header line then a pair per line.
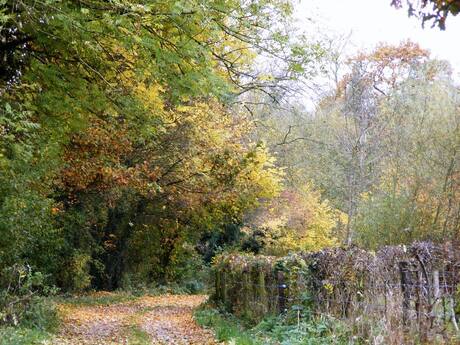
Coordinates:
x,y
139,139
120,148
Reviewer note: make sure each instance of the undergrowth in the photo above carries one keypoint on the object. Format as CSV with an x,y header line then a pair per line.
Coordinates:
x,y
22,336
289,329
28,315
37,324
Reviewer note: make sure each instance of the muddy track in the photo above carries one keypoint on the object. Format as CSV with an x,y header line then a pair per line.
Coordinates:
x,y
160,320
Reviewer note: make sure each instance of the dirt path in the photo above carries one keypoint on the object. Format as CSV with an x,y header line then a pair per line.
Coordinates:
x,y
147,320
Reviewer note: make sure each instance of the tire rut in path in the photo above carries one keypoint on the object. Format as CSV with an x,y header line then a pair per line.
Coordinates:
x,y
167,319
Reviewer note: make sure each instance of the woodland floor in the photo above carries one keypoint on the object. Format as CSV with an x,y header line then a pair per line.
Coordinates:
x,y
165,319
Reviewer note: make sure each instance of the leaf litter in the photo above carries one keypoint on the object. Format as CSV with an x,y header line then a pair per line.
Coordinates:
x,y
165,319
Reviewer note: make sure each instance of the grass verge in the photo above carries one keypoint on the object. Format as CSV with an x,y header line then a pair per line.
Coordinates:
x,y
37,323
226,327
22,336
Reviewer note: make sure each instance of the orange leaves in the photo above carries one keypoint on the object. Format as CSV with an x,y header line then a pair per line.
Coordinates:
x,y
384,67
94,158
110,243
198,155
386,54
389,63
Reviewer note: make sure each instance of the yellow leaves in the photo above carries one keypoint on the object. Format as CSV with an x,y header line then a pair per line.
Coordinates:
x,y
266,77
150,95
298,220
261,172
329,288
188,108
275,223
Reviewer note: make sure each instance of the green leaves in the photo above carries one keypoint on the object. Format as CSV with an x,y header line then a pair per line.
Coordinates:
x,y
16,122
117,114
4,16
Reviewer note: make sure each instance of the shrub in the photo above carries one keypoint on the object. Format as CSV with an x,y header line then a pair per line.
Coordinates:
x,y
22,336
292,328
22,301
75,277
226,328
360,287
